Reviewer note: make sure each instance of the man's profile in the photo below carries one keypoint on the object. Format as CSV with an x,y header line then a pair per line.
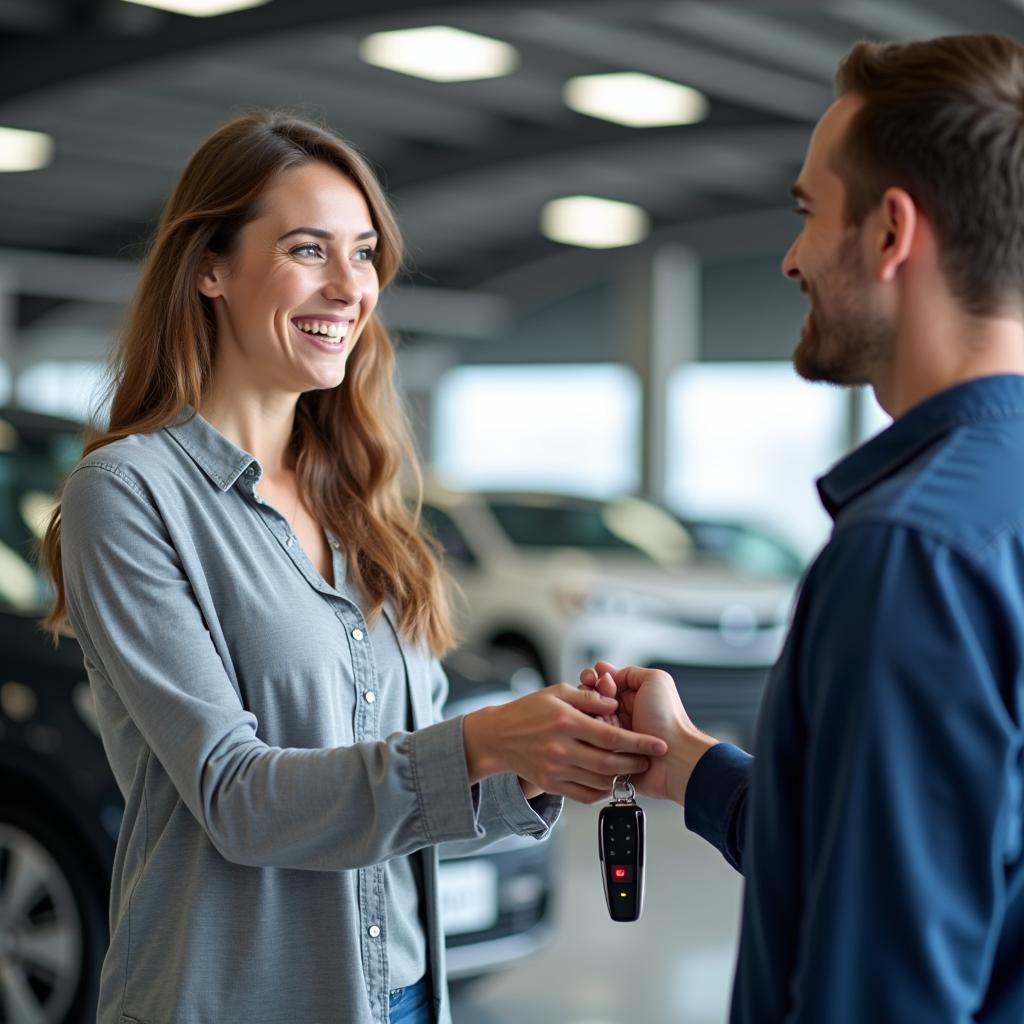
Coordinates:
x,y
880,827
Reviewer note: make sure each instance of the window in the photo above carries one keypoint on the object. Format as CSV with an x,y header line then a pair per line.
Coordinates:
x,y
70,389
747,441
561,428
874,418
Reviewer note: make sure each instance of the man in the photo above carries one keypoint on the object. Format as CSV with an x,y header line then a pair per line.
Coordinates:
x,y
880,827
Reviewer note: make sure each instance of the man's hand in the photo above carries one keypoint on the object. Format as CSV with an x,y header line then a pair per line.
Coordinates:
x,y
556,740
649,703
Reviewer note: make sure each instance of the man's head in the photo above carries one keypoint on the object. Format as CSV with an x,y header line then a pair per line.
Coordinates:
x,y
925,132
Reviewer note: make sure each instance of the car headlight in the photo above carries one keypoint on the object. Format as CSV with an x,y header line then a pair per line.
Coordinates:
x,y
570,600
627,604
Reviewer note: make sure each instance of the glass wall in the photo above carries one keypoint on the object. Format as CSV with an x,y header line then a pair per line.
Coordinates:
x,y
747,440
572,428
64,388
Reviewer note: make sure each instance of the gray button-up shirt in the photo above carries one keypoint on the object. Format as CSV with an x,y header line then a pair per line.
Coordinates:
x,y
261,799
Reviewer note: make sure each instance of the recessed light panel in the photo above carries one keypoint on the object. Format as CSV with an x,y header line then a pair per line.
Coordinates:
x,y
200,8
594,223
636,100
24,151
440,53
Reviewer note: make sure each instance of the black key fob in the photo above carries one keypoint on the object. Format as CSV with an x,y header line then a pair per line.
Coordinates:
x,y
620,840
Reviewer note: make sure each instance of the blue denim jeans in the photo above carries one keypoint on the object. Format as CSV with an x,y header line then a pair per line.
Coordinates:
x,y
413,1004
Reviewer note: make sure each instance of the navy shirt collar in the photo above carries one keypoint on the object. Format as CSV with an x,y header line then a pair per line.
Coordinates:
x,y
220,459
975,401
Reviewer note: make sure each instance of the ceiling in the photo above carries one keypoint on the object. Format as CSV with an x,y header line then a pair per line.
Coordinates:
x,y
128,93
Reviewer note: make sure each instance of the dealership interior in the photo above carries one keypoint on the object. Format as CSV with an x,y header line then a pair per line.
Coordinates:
x,y
593,341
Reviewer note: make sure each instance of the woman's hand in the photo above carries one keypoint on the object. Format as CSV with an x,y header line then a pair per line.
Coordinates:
x,y
555,740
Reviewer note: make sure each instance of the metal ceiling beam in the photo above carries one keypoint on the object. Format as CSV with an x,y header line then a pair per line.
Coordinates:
x,y
887,20
753,86
757,35
35,64
764,233
30,15
587,138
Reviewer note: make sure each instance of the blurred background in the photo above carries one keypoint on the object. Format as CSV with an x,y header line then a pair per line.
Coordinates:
x,y
593,340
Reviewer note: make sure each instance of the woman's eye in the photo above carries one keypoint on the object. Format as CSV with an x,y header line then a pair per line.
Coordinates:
x,y
366,254
308,250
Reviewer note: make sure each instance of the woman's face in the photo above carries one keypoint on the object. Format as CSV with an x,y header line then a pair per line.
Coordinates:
x,y
295,294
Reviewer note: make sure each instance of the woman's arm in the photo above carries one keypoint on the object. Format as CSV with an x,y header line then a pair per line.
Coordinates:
x,y
149,646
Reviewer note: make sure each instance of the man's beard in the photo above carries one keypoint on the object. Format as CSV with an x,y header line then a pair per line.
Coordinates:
x,y
842,339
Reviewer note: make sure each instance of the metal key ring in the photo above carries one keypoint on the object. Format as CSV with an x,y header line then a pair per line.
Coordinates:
x,y
621,782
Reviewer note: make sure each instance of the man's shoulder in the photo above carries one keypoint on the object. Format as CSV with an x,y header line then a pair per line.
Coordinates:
x,y
966,490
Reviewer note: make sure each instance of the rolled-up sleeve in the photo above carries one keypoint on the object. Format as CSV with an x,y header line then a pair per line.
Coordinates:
x,y
136,616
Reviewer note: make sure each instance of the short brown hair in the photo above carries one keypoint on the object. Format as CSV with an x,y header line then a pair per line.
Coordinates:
x,y
944,120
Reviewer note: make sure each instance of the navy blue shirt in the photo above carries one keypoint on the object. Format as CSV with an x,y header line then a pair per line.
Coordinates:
x,y
880,827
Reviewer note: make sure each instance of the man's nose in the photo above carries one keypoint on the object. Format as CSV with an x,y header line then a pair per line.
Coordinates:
x,y
789,263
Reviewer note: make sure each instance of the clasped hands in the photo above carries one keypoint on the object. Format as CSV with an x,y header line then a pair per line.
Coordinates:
x,y
574,741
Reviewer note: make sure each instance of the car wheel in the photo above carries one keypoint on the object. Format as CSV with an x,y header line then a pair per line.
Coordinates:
x,y
52,923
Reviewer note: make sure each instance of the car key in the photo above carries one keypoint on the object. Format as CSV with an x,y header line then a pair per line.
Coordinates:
x,y
620,842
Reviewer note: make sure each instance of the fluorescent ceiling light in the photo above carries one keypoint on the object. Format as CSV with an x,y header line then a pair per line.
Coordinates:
x,y
634,99
200,8
24,151
440,54
594,223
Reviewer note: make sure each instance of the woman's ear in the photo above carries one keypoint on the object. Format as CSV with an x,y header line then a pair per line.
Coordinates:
x,y
210,278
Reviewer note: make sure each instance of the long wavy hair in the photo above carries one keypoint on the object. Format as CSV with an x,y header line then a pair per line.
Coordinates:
x,y
350,443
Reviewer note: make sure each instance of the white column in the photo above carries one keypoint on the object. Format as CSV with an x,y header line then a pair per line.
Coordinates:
x,y
659,309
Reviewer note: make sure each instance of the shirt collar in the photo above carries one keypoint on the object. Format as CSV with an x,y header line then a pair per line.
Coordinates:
x,y
984,399
222,460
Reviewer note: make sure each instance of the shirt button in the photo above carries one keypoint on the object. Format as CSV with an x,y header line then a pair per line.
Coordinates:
x,y
335,545
373,931
257,498
370,696
357,634
289,542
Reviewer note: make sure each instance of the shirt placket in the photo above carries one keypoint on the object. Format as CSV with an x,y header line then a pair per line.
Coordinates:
x,y
366,729
372,896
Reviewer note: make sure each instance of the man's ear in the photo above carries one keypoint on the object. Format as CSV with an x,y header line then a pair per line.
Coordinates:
x,y
898,224
210,279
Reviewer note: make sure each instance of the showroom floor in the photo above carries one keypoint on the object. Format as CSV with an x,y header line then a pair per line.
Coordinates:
x,y
672,967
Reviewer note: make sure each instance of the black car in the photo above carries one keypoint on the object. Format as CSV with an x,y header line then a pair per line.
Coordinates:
x,y
60,809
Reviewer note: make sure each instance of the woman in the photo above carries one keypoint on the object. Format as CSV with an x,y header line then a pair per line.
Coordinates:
x,y
261,620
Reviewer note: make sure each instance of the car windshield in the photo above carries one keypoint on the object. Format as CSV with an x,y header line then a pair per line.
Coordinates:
x,y
629,526
750,549
32,464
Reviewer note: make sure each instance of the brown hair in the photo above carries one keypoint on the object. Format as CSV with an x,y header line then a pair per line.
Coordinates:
x,y
944,120
350,442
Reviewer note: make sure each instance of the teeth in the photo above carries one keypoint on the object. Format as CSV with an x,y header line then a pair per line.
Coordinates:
x,y
330,330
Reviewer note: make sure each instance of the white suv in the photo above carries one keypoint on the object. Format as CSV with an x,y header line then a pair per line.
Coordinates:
x,y
562,580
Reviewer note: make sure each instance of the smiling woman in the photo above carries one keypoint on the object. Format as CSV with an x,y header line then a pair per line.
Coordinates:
x,y
261,617
288,293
